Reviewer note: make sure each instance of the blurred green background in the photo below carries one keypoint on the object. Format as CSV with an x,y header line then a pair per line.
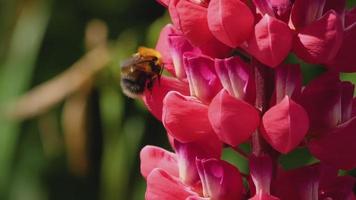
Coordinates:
x,y
75,136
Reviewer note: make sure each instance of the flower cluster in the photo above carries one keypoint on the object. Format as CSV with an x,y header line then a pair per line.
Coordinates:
x,y
230,85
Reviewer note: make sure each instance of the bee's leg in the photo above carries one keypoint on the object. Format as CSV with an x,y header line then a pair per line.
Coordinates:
x,y
159,75
150,84
158,79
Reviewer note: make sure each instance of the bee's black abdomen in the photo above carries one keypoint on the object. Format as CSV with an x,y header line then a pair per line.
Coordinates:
x,y
132,86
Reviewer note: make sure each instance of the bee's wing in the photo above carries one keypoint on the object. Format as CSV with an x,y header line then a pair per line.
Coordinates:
x,y
136,63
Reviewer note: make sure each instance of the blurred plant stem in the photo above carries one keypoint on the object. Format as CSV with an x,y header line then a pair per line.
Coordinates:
x,y
15,75
121,137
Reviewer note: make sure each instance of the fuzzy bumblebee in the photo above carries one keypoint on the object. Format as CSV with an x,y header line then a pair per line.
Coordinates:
x,y
139,72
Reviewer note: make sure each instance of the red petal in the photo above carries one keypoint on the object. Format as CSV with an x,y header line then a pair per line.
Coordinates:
x,y
233,120
350,17
185,118
347,92
336,147
193,21
161,185
264,197
264,7
195,198
298,184
353,107
337,5
320,41
274,8
154,157
231,22
285,125
339,188
191,18
220,179
203,81
288,82
236,77
304,12
327,101
261,174
154,98
345,59
271,41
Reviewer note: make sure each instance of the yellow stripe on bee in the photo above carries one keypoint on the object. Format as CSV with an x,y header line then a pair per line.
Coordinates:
x,y
144,51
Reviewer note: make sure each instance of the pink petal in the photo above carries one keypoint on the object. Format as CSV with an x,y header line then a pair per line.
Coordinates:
x,y
209,147
220,179
154,98
178,46
203,81
321,40
154,157
336,147
288,82
304,12
233,120
231,22
285,125
185,118
173,12
236,77
344,60
161,185
271,41
163,47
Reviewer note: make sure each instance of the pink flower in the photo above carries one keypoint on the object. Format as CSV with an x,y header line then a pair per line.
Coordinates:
x,y
213,26
190,17
229,86
231,103
317,25
275,8
194,172
261,174
270,42
286,123
231,22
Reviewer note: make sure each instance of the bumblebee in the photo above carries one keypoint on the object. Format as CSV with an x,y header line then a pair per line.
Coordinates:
x,y
140,72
